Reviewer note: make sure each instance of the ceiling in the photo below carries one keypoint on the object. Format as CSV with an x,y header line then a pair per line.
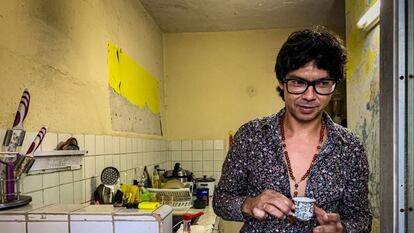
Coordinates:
x,y
230,15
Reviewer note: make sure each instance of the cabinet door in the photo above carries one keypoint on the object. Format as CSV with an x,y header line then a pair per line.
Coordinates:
x,y
47,227
136,227
91,227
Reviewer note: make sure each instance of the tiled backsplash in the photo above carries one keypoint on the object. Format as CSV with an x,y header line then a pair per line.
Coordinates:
x,y
203,157
129,155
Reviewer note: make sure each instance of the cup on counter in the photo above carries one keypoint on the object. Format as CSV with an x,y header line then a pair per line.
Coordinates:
x,y
303,208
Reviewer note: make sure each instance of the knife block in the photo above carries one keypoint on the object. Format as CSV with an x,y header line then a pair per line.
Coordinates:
x,y
10,188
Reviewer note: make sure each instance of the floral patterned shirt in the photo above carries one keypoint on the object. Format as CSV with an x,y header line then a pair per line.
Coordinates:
x,y
338,180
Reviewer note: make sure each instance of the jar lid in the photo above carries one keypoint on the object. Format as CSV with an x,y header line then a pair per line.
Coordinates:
x,y
205,179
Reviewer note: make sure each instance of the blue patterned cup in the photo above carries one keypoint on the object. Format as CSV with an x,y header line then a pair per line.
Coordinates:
x,y
303,208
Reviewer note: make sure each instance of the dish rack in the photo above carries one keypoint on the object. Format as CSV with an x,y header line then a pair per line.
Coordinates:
x,y
178,199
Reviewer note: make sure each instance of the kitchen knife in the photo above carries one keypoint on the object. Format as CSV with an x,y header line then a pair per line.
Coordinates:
x,y
14,137
26,161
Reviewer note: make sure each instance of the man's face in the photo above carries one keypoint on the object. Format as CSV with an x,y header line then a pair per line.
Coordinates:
x,y
309,105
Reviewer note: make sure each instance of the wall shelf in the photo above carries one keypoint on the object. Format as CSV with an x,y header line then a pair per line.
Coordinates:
x,y
57,160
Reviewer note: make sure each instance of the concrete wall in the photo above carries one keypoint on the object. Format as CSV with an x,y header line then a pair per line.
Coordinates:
x,y
57,49
217,81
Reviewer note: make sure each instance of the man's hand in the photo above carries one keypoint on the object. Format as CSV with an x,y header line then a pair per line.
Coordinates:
x,y
268,202
329,223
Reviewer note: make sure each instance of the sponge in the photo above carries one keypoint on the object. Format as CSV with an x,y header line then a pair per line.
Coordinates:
x,y
147,205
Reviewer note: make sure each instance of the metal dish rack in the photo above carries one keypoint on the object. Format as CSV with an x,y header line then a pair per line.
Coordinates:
x,y
178,199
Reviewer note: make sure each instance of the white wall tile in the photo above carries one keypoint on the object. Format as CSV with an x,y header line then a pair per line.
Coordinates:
x,y
115,144
140,145
28,139
208,174
80,138
49,142
77,174
129,161
197,155
198,174
218,144
65,177
66,194
50,179
197,144
217,176
99,145
219,155
134,160
37,197
108,144
123,162
129,145
78,192
208,155
134,145
186,145
208,145
218,165
208,166
32,183
187,165
89,166
90,144
175,145
197,166
90,186
100,165
176,155
187,156
108,160
51,195
122,145
116,161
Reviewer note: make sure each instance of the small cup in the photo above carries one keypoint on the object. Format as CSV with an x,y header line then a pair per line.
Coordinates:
x,y
303,208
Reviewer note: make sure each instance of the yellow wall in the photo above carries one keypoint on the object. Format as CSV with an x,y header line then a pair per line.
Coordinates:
x,y
58,50
217,81
363,94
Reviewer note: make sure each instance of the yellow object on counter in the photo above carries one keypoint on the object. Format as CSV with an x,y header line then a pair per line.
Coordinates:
x,y
148,205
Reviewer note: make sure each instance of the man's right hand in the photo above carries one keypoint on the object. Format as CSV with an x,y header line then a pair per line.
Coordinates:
x,y
268,202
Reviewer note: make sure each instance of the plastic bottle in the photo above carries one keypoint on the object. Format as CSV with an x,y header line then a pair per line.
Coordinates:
x,y
187,223
155,178
146,178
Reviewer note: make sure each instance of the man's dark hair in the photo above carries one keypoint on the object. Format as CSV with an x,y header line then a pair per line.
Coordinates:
x,y
317,44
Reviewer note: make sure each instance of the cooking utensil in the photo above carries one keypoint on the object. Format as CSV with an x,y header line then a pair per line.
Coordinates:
x,y
14,137
179,173
23,163
110,177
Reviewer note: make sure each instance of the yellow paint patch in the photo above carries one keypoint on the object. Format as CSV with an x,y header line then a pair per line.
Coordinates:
x,y
131,81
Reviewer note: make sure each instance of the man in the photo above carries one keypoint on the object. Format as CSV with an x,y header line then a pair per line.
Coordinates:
x,y
299,151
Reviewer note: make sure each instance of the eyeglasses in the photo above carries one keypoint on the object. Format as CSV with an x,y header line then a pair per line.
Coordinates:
x,y
296,86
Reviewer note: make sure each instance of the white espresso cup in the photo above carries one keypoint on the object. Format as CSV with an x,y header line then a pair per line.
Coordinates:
x,y
303,208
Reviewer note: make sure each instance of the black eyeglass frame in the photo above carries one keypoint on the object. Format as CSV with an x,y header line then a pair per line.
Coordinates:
x,y
310,83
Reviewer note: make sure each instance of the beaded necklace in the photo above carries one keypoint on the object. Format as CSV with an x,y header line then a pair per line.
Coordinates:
x,y
285,152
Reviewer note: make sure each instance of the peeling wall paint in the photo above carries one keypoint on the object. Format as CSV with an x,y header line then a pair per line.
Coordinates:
x,y
363,94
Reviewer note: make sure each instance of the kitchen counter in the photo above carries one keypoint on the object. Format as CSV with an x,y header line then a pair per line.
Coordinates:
x,y
79,218
206,223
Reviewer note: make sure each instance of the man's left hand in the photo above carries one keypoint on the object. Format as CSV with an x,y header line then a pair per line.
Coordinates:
x,y
329,222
